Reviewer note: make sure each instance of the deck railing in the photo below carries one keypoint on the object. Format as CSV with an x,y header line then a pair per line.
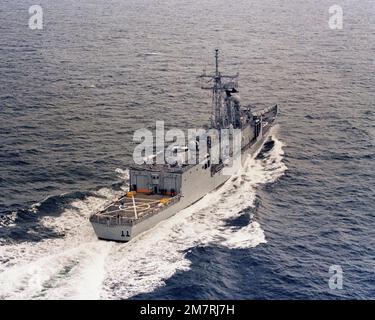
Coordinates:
x,y
115,220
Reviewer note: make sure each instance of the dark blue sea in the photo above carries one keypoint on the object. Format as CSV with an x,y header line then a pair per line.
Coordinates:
x,y
73,93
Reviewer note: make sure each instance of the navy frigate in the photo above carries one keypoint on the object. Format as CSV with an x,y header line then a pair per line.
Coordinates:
x,y
159,191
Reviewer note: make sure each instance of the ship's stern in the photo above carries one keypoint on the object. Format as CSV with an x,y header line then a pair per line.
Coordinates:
x,y
120,233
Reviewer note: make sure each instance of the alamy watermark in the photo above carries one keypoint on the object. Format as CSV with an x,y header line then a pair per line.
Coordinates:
x,y
336,19
36,18
202,146
336,277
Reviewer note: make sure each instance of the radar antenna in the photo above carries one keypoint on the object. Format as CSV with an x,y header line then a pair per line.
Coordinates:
x,y
219,84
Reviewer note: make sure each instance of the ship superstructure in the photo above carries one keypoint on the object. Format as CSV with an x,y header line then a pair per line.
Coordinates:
x,y
158,191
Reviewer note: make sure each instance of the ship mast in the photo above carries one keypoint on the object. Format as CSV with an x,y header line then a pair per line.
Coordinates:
x,y
218,87
216,94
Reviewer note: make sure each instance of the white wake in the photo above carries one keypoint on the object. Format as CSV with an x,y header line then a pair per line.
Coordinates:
x,y
78,266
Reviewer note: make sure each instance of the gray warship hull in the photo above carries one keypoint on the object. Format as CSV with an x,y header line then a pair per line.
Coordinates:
x,y
199,183
158,191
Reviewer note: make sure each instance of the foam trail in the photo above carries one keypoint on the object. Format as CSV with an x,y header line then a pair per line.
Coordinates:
x,y
79,266
68,267
147,261
123,174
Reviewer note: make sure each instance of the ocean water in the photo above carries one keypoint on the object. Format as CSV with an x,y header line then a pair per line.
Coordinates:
x,y
72,94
